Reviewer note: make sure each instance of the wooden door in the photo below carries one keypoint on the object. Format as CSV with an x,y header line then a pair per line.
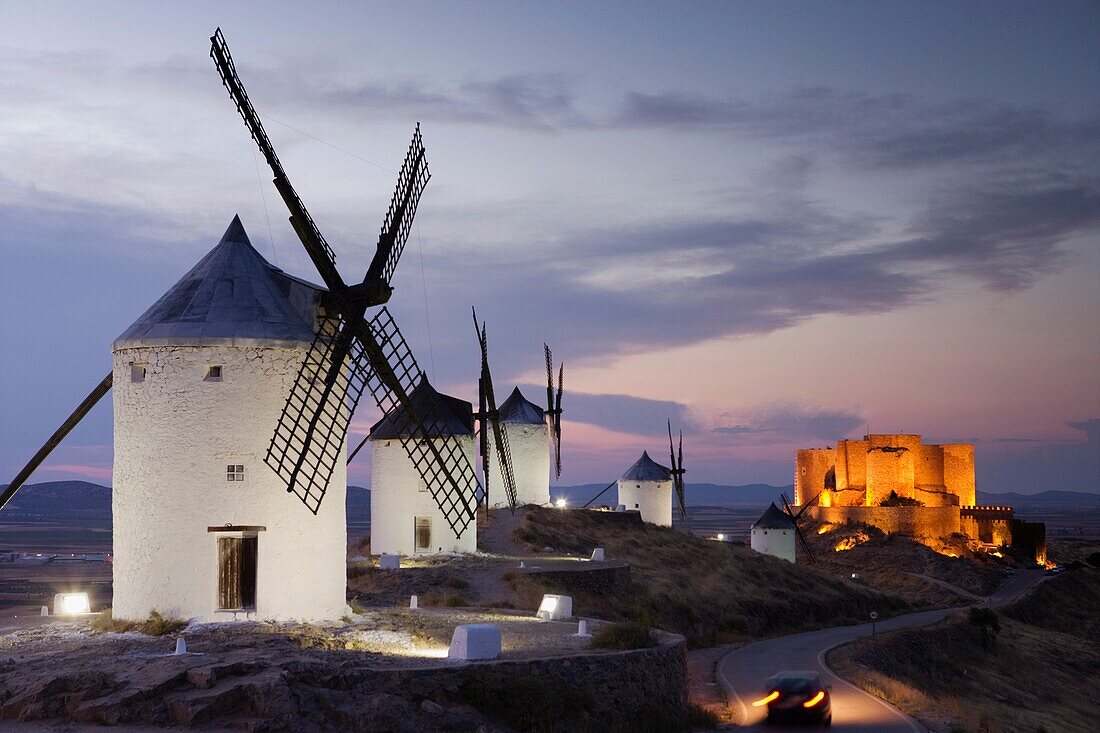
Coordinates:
x,y
236,573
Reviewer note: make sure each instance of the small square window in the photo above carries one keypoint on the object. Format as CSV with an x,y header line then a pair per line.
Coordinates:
x,y
213,373
234,472
137,372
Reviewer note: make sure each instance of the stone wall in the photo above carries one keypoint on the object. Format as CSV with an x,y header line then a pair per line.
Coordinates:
x,y
609,691
811,465
605,578
958,471
916,521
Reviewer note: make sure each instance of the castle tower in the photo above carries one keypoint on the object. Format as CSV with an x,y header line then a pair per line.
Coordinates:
x,y
202,527
529,443
774,534
404,518
646,487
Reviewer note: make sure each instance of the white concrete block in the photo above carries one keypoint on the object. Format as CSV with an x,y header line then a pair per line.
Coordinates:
x,y
387,561
413,602
555,608
45,611
582,629
597,555
475,641
181,647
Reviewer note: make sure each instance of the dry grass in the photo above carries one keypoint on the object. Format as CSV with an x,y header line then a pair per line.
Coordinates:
x,y
1043,673
623,635
711,592
155,625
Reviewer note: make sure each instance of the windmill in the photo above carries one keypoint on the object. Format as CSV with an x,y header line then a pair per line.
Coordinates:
x,y
676,461
488,415
350,353
795,517
553,407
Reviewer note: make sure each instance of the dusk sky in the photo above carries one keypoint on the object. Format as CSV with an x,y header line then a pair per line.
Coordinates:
x,y
776,223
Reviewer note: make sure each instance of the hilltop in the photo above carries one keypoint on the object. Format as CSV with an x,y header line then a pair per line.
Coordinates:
x,y
1038,673
711,592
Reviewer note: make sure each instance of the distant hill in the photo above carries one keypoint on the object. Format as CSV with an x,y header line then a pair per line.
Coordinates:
x,y
1043,498
694,494
53,500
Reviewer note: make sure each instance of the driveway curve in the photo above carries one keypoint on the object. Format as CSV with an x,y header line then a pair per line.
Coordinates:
x,y
743,671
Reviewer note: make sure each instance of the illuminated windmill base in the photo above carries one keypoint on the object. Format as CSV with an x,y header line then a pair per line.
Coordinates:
x,y
202,527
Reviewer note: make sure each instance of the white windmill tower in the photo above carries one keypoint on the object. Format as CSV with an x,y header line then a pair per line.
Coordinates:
x,y
202,527
646,487
201,376
529,439
404,517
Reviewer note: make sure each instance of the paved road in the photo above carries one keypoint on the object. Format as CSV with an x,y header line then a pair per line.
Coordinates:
x,y
743,671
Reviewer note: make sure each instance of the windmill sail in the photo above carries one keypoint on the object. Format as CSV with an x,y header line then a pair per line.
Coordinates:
x,y
43,453
350,354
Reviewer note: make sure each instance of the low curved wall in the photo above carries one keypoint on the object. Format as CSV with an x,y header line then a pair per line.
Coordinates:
x,y
609,691
606,579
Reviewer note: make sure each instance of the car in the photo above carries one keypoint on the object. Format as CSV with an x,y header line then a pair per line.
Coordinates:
x,y
797,697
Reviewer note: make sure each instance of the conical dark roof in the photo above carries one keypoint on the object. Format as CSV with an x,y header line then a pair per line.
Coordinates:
x,y
646,469
518,409
233,296
454,416
774,518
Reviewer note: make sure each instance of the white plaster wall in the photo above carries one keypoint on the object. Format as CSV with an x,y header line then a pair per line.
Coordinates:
x,y
396,500
776,542
174,435
652,498
530,449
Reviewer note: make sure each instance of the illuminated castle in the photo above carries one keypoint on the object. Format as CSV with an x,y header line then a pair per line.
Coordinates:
x,y
903,486
865,472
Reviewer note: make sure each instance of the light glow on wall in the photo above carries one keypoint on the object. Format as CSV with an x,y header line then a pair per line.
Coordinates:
x,y
68,604
561,503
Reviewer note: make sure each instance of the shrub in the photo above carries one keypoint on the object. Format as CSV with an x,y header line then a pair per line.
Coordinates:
x,y
895,500
986,620
155,625
624,635
453,581
700,717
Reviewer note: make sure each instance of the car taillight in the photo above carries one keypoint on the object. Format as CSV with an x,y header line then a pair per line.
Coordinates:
x,y
815,699
773,695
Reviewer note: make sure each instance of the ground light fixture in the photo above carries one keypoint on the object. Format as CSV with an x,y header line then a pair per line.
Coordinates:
x,y
70,604
561,503
555,608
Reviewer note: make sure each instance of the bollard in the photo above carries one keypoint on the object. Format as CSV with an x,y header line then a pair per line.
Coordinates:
x,y
181,647
521,565
582,628
45,610
413,602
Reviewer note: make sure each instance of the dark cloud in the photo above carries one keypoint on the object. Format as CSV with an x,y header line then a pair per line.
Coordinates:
x,y
618,412
887,131
1004,234
793,422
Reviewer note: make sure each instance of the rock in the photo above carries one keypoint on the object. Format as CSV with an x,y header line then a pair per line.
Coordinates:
x,y
432,708
202,677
